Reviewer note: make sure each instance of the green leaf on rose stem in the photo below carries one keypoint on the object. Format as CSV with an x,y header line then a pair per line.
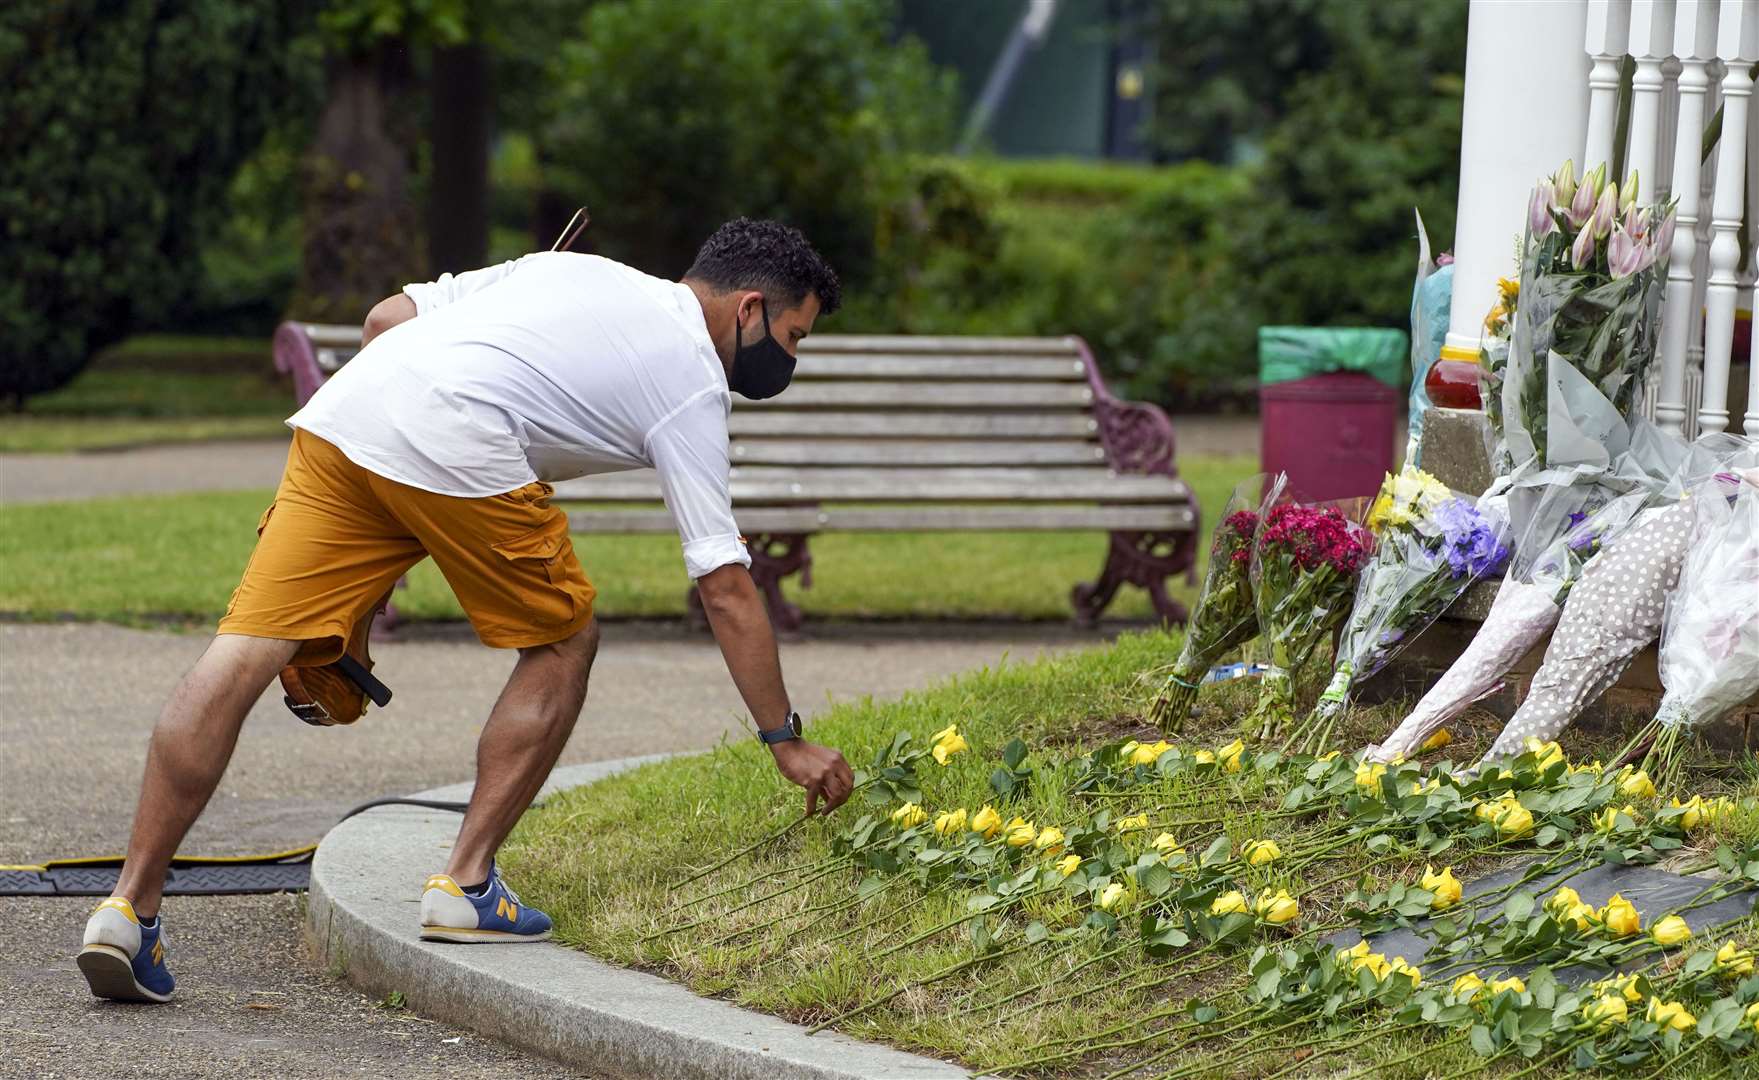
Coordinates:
x,y
1203,1014
981,902
1036,932
1482,1044
1002,783
1218,850
1156,879
1297,796
930,855
869,888
1378,843
982,938
1518,907
1665,843
1268,982
1014,753
879,793
1698,963
1584,1058
1547,836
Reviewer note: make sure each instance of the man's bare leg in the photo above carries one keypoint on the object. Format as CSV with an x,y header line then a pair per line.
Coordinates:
x,y
527,729
190,748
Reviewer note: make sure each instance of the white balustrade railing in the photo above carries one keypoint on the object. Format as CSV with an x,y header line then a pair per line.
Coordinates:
x,y
1689,59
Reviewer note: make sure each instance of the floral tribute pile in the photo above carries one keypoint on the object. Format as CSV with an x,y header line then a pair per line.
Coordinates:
x,y
1195,882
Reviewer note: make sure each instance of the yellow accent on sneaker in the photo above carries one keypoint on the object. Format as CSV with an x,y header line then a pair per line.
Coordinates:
x,y
444,884
118,903
506,909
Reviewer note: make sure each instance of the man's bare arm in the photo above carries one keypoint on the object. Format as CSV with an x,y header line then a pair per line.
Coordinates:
x,y
742,629
385,314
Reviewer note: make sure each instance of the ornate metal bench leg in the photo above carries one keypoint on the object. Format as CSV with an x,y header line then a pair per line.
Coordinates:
x,y
1137,558
773,558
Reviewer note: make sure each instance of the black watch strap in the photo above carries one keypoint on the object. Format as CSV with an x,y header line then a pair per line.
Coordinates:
x,y
790,729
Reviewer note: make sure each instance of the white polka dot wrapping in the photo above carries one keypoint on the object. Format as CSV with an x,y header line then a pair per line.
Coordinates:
x,y
1709,660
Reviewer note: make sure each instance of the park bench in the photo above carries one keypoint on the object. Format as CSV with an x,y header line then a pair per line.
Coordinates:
x,y
910,434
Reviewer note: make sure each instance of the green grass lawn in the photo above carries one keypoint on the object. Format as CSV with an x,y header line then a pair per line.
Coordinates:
x,y
179,557
791,930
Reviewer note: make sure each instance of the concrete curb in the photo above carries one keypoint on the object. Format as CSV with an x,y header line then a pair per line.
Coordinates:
x,y
361,918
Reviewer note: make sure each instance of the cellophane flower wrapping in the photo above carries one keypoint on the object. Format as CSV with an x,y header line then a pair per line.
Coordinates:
x,y
1304,570
1431,545
1710,629
1224,617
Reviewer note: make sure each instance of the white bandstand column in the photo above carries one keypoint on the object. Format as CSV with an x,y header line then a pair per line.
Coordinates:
x,y
1525,113
1695,45
1737,42
1605,37
1651,40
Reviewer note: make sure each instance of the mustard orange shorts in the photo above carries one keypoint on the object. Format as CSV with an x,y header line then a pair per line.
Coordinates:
x,y
337,538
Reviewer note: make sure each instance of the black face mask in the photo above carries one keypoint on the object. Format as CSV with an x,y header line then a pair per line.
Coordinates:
x,y
761,369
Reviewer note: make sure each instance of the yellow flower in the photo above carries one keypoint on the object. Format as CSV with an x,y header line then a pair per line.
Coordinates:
x,y
1731,959
1694,812
1620,916
1049,840
1670,1014
1594,767
1228,903
947,747
986,822
1376,965
1444,885
1636,783
1514,819
909,816
1467,985
1068,864
1563,900
1354,952
1149,753
948,732
1751,1016
1670,930
1368,776
1277,910
1606,1011
1260,852
1020,832
950,822
1580,916
1441,738
1204,757
1110,895
1399,967
1128,751
1513,982
1628,987
1229,756
1608,819
1550,753
1133,824
1167,844
1329,754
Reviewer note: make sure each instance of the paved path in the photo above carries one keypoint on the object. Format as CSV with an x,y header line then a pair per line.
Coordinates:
x,y
79,701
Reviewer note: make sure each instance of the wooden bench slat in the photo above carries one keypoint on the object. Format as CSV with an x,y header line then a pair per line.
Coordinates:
x,y
938,367
920,396
747,423
781,486
757,520
894,453
911,343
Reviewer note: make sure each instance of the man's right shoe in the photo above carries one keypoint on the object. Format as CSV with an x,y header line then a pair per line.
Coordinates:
x,y
123,960
448,913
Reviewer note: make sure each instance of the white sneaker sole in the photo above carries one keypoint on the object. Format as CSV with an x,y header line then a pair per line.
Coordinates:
x,y
461,936
110,975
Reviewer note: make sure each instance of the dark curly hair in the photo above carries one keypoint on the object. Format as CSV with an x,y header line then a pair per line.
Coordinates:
x,y
773,258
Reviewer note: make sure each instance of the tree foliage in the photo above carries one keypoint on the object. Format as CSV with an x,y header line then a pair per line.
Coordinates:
x,y
122,124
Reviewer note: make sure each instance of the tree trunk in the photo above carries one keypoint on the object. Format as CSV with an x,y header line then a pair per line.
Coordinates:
x,y
361,231
458,198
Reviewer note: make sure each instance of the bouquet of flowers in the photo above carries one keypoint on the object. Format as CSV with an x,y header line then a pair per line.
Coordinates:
x,y
1430,546
1710,629
1224,618
1593,270
1304,569
1493,354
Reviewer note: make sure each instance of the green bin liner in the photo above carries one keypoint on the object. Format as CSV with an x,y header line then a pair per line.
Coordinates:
x,y
1295,352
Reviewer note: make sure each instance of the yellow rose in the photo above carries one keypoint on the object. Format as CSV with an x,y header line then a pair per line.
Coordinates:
x,y
1467,985
950,822
1580,916
1628,987
1068,864
1376,965
1049,840
1513,982
1329,754
1514,820
986,822
947,747
1133,824
1260,852
1204,757
1670,1014
908,816
1594,767
1441,738
947,732
1128,751
1368,776
1731,959
1444,885
1229,756
1110,895
1149,753
1354,952
1694,812
1607,1011
1019,832
1670,930
1550,753
1608,819
1228,903
1620,917
1636,783
1563,900
1751,1016
1399,967
1277,910
1167,844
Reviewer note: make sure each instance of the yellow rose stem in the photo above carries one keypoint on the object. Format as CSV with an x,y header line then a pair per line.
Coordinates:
x,y
995,909
742,852
1180,1047
1090,1046
1322,1048
949,970
1378,1067
826,872
797,868
1074,943
783,953
1675,1060
833,904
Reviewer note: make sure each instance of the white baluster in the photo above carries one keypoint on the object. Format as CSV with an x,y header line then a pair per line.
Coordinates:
x,y
1750,422
1609,24
1695,45
1651,39
1666,138
1737,42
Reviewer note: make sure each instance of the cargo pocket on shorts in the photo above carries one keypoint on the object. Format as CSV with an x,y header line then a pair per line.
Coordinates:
x,y
540,572
262,523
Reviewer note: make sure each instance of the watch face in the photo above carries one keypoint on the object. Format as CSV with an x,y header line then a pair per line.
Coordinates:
x,y
794,723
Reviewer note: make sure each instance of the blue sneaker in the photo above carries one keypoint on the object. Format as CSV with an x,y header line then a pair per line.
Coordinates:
x,y
448,913
123,960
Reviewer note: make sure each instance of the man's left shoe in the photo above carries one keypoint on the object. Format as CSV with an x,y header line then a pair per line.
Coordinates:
x,y
448,913
122,959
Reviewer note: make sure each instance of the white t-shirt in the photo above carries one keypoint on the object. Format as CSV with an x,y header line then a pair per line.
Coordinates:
x,y
548,367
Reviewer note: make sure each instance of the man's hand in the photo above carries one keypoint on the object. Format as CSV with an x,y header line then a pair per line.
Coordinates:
x,y
819,769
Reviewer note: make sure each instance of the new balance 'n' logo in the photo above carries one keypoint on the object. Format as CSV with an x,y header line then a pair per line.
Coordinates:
x,y
159,951
507,910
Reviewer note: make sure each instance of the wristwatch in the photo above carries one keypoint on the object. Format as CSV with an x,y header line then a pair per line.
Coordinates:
x,y
790,729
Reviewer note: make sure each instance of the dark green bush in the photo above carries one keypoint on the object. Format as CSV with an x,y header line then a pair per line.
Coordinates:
x,y
121,125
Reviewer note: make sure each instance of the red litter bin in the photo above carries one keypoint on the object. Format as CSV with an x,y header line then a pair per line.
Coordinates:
x,y
1332,431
